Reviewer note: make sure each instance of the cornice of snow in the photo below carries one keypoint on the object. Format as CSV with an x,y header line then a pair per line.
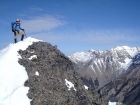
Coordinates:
x,y
25,42
13,75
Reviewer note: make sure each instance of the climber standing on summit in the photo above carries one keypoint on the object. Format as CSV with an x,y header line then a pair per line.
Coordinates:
x,y
17,30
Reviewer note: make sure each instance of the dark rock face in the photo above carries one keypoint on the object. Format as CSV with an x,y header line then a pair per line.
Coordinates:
x,y
47,70
126,88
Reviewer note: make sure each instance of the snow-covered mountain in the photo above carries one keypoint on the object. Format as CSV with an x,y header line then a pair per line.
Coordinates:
x,y
126,87
99,67
33,72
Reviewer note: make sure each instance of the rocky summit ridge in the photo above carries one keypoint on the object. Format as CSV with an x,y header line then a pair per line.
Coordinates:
x,y
52,79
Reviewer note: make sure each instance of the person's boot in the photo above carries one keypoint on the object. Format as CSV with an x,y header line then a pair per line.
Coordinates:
x,y
15,40
22,37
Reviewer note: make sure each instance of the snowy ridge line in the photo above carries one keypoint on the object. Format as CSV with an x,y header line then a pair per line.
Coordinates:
x,y
85,56
13,75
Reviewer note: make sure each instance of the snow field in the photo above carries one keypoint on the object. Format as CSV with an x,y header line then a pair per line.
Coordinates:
x,y
13,75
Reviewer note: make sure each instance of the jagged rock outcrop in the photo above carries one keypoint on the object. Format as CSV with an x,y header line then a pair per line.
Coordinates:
x,y
125,88
49,70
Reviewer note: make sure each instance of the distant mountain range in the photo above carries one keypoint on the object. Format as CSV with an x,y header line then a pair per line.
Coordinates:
x,y
100,67
126,87
106,70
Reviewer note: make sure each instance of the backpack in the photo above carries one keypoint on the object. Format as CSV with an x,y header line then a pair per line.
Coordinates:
x,y
13,26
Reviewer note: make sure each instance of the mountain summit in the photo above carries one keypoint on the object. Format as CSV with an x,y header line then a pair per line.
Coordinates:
x,y
13,75
36,73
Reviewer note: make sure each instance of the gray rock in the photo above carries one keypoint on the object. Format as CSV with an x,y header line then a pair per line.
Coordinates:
x,y
47,73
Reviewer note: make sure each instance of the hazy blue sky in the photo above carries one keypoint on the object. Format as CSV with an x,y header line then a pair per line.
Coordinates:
x,y
74,25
